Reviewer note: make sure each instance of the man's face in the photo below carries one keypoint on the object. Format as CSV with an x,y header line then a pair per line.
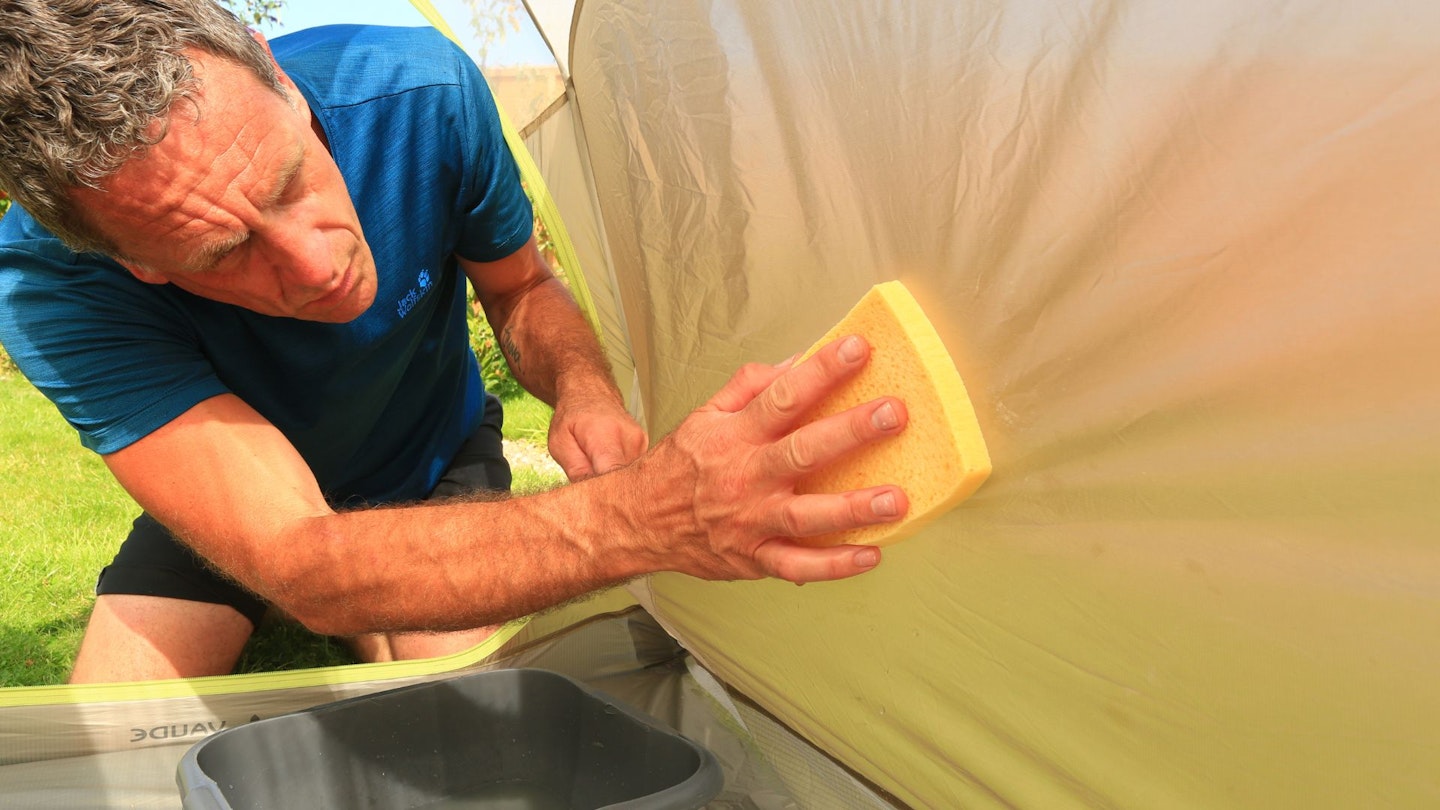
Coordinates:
x,y
242,203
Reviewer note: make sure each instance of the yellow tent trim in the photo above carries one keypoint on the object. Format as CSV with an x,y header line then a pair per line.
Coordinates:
x,y
539,191
258,681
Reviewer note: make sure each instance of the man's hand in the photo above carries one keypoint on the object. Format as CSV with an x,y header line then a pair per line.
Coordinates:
x,y
555,356
729,504
592,433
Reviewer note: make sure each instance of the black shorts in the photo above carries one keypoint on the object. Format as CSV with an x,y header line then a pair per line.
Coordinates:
x,y
151,562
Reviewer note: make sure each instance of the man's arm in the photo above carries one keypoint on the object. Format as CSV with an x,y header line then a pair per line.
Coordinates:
x,y
555,355
715,499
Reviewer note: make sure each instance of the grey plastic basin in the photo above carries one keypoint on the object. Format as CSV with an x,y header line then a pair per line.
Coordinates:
x,y
520,739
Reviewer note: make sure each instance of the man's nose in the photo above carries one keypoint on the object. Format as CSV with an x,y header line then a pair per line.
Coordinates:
x,y
306,258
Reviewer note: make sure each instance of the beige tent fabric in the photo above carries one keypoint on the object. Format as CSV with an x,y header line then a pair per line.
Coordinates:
x,y
1185,257
556,143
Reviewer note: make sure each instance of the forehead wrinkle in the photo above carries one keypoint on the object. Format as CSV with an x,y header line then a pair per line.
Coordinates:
x,y
209,254
176,178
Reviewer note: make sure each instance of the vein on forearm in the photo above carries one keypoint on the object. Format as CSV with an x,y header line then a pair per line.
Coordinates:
x,y
497,560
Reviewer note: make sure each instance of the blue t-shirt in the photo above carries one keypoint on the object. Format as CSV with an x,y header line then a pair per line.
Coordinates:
x,y
377,407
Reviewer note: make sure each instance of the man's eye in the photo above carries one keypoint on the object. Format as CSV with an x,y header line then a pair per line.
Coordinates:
x,y
226,260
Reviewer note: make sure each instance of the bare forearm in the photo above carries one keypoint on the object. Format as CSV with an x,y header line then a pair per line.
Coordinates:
x,y
714,500
554,354
461,564
549,345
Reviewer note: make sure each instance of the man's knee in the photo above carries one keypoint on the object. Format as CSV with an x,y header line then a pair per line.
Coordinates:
x,y
378,647
142,638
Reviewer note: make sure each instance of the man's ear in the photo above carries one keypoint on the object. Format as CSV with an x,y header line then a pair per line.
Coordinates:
x,y
142,273
279,73
260,38
296,97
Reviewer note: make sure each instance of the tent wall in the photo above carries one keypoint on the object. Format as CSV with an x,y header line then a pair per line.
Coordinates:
x,y
1184,257
557,145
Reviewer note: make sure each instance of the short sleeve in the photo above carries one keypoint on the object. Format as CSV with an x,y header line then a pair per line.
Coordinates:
x,y
114,355
497,218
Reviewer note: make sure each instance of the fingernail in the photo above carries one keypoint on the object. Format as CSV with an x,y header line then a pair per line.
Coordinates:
x,y
867,558
789,361
884,417
852,349
884,504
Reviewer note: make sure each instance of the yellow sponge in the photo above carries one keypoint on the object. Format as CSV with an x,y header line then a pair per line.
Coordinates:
x,y
940,458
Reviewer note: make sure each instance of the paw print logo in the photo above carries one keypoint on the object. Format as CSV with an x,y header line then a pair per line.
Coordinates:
x,y
424,279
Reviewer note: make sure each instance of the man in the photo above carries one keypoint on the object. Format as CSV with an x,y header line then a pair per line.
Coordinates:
x,y
256,317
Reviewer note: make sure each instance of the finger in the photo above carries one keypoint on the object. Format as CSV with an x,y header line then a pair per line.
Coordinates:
x,y
746,384
814,515
572,459
607,457
777,409
824,441
631,440
636,444
799,564
603,458
624,442
789,361
577,470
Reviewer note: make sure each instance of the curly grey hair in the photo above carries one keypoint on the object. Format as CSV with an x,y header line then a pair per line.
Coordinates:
x,y
85,85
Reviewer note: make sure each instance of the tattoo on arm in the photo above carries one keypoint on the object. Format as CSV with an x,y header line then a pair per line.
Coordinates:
x,y
510,349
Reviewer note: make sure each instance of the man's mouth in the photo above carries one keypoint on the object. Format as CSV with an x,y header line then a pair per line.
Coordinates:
x,y
339,292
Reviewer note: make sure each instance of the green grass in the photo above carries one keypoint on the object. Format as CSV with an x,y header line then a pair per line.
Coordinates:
x,y
63,518
527,419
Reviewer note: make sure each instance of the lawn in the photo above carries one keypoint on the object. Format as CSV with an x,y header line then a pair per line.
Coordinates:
x,y
64,516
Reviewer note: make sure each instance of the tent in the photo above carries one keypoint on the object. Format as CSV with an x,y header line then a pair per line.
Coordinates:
x,y
1184,256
